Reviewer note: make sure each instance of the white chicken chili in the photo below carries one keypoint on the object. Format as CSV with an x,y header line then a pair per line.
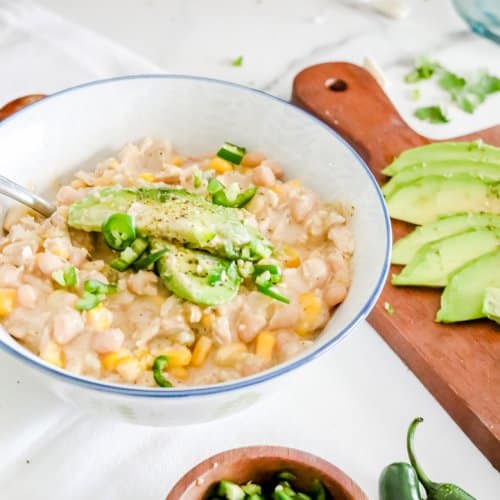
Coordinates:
x,y
163,270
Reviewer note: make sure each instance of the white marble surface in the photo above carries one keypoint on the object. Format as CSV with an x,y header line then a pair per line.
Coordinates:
x,y
352,406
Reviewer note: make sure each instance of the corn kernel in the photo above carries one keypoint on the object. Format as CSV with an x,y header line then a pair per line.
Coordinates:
x,y
178,161
147,177
99,318
219,165
277,188
7,300
179,372
207,320
228,354
78,183
178,356
311,307
201,350
145,358
104,181
292,258
53,354
129,368
265,345
110,360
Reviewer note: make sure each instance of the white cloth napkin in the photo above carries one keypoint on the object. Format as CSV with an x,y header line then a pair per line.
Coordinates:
x,y
351,406
42,53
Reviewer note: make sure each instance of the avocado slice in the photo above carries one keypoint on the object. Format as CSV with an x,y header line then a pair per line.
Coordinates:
x,y
435,261
405,248
428,198
197,276
475,151
462,299
488,172
491,304
178,216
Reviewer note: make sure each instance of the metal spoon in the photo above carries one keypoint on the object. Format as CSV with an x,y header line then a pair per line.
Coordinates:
x,y
25,196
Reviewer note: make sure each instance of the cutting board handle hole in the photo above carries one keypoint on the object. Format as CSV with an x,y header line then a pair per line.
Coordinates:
x,y
336,84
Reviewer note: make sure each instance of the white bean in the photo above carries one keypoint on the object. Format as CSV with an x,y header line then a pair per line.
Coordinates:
x,y
301,206
263,176
48,263
285,316
335,293
26,296
108,340
67,324
249,324
143,283
67,195
9,276
315,271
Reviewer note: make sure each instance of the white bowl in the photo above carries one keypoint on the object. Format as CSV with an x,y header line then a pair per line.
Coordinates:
x,y
45,143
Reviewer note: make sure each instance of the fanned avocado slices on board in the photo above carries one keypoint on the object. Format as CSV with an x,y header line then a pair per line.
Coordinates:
x,y
453,191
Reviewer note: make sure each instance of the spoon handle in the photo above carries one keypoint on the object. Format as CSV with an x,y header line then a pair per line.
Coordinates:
x,y
23,195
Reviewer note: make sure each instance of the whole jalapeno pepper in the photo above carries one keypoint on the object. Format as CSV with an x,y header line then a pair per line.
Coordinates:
x,y
435,491
399,481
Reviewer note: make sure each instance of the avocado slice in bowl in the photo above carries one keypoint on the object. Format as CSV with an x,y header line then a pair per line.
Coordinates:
x,y
176,215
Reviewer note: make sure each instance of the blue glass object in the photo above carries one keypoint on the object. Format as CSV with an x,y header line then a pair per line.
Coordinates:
x,y
483,16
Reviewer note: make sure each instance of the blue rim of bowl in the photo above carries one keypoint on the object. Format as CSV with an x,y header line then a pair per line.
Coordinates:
x,y
244,382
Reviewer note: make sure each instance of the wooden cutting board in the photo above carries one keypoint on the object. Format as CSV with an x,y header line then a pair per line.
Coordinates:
x,y
459,364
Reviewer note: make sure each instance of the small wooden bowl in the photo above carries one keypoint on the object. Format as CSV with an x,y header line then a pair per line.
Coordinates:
x,y
259,464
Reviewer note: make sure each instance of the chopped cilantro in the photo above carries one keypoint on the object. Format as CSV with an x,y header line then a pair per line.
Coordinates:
x,y
450,81
415,94
467,95
424,69
432,114
237,62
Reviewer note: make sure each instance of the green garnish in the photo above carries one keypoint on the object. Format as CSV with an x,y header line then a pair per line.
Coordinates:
x,y
271,292
467,95
88,301
231,152
266,275
99,287
389,308
66,277
119,231
222,198
424,69
130,254
159,364
230,196
237,62
415,94
278,487
95,292
286,476
197,179
214,186
450,81
147,261
432,114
